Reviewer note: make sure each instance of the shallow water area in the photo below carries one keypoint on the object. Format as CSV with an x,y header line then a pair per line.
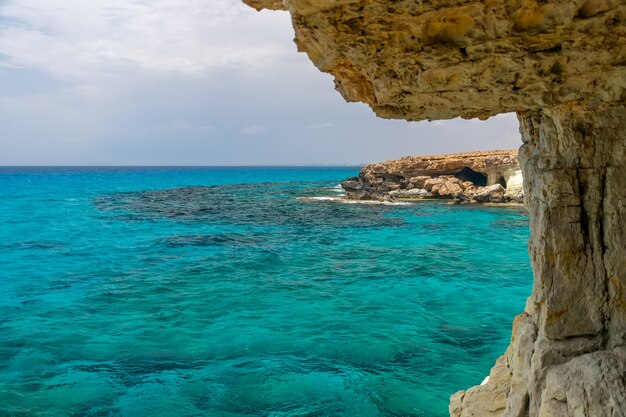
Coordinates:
x,y
245,292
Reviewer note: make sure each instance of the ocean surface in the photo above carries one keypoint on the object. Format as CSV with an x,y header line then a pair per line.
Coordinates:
x,y
167,292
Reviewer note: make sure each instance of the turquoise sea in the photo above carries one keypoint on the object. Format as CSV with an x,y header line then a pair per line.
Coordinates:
x,y
167,292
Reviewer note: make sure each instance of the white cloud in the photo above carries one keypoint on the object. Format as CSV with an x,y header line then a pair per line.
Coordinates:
x,y
137,77
323,125
180,126
511,116
256,130
76,39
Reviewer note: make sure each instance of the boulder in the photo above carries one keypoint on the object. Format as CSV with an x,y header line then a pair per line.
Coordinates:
x,y
352,184
434,183
419,180
412,193
451,188
492,193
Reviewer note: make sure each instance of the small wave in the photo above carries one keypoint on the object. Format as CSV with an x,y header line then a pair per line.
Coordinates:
x,y
337,189
376,202
339,199
322,198
43,245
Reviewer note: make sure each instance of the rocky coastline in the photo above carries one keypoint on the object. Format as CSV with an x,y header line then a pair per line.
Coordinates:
x,y
473,177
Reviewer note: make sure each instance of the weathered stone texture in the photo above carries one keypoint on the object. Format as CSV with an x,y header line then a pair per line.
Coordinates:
x,y
450,176
265,4
440,59
486,162
572,360
575,158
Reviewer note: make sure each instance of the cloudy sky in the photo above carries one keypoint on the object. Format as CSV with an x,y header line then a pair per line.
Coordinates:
x,y
200,82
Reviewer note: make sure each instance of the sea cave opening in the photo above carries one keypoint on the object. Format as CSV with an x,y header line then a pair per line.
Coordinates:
x,y
468,174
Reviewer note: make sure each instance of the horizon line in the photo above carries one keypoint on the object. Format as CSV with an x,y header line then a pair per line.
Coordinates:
x,y
186,166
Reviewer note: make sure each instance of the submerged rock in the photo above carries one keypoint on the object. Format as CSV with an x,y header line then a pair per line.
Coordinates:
x,y
466,177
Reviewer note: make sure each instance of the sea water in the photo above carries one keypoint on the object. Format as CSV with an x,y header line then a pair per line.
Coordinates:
x,y
245,292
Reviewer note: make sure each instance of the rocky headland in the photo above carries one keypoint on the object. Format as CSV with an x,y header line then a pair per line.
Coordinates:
x,y
483,177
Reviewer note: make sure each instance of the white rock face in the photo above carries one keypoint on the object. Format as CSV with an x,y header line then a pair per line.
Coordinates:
x,y
586,386
514,184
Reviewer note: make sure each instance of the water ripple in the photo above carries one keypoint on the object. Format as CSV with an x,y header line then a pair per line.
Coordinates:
x,y
246,299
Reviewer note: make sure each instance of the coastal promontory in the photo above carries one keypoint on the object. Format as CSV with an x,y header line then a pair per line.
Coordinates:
x,y
485,177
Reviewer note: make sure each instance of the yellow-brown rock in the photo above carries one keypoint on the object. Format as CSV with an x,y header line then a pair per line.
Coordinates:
x,y
470,176
441,59
561,65
265,4
489,163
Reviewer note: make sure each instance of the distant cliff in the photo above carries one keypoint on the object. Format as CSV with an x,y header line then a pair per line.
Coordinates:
x,y
488,176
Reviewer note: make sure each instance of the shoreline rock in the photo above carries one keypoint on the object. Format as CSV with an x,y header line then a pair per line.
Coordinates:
x,y
472,177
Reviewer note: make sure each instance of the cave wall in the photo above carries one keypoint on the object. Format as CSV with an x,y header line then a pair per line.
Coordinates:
x,y
575,159
568,350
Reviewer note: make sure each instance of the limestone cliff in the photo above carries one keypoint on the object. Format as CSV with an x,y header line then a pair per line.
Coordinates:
x,y
441,59
488,176
561,65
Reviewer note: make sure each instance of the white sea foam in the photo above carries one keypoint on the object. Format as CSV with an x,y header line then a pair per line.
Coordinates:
x,y
339,199
375,202
322,198
337,189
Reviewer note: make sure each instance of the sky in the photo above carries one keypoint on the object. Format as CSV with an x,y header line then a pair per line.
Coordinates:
x,y
189,82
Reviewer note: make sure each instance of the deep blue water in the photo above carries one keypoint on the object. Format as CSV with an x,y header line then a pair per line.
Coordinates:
x,y
221,292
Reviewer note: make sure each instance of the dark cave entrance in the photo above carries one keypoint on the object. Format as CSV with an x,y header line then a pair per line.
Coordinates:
x,y
501,181
468,174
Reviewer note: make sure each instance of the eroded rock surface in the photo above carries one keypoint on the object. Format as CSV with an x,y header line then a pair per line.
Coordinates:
x,y
473,176
440,59
567,354
561,65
